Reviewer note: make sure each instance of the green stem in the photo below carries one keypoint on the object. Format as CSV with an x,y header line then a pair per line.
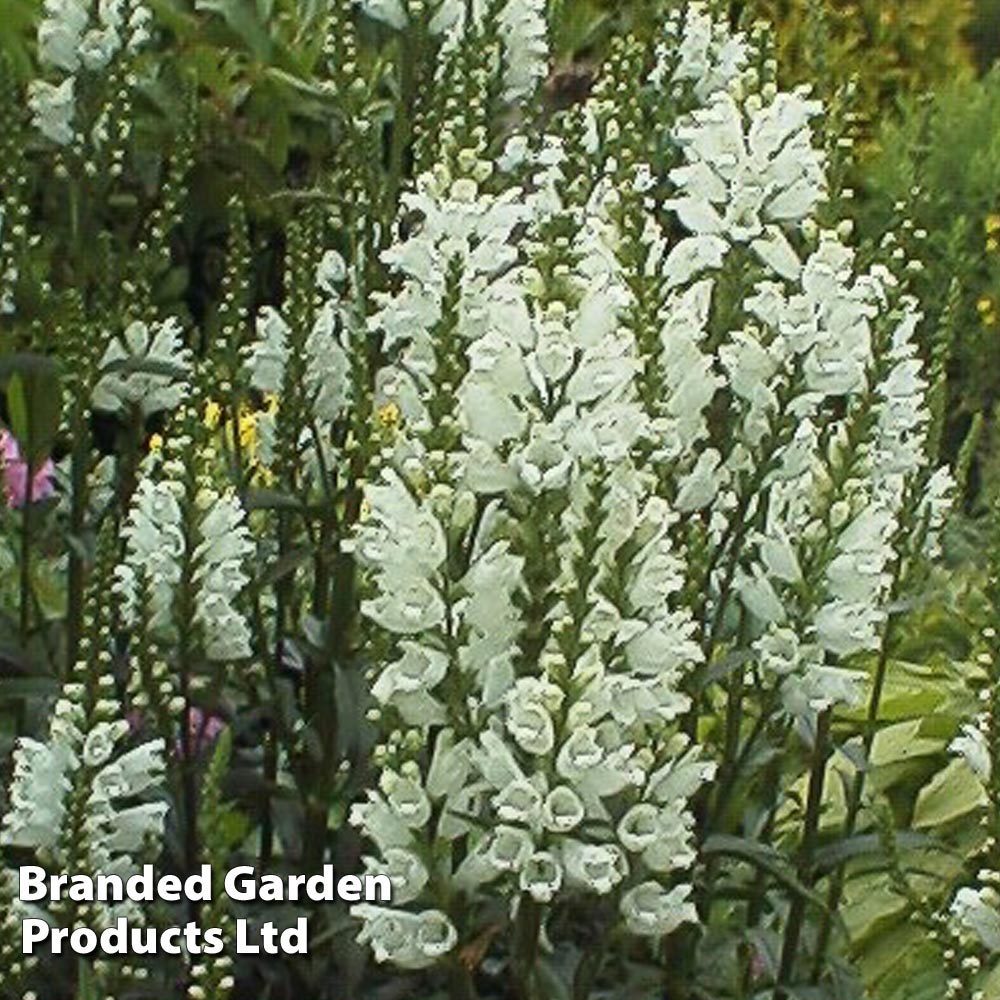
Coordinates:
x,y
526,935
77,520
461,985
856,791
804,867
25,600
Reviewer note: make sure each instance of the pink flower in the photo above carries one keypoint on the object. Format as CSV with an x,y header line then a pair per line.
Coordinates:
x,y
14,470
203,730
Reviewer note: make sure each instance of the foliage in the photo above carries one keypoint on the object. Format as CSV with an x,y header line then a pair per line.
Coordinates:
x,y
935,180
888,50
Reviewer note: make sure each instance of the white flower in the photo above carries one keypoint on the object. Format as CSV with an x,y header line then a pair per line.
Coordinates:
x,y
220,578
582,415
154,544
595,867
531,726
52,109
37,794
700,485
518,802
652,911
509,847
59,34
546,462
735,183
408,681
972,745
391,934
541,876
101,741
390,12
977,911
406,871
639,827
133,828
331,272
758,595
146,368
406,798
135,772
98,47
709,59
327,373
821,687
563,810
436,935
266,356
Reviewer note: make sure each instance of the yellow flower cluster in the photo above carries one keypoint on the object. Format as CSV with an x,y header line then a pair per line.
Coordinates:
x,y
987,310
247,434
992,227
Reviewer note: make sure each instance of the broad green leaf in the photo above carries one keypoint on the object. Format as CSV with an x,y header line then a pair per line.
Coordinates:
x,y
952,793
866,844
34,401
901,742
871,907
762,857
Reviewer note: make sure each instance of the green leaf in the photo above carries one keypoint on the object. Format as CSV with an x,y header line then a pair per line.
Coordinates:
x,y
902,742
34,401
283,566
952,793
145,366
763,857
270,500
833,855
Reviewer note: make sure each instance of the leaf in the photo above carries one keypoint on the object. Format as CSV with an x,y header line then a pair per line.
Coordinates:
x,y
145,366
282,566
763,857
270,500
242,19
833,855
871,907
901,742
952,793
34,402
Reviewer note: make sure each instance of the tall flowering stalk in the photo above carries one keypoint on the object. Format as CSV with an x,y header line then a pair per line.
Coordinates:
x,y
86,799
657,437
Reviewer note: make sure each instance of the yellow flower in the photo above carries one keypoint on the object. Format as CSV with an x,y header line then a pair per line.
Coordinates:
x,y
213,413
987,311
156,442
263,475
248,431
992,223
388,415
271,403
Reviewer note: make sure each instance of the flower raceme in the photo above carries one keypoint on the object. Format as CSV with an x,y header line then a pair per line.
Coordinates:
x,y
648,413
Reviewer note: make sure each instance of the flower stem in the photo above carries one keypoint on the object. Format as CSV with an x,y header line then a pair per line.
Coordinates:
x,y
814,800
856,790
526,934
25,598
461,986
